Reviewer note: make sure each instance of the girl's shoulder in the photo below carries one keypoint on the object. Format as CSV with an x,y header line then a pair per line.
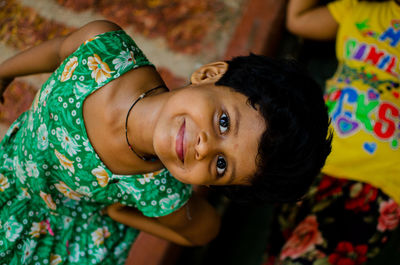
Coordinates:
x,y
103,44
75,39
105,37
100,50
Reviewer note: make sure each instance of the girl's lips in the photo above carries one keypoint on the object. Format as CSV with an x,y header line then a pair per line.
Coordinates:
x,y
179,143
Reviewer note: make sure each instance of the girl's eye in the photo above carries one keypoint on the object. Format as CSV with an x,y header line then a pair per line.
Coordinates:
x,y
223,123
221,166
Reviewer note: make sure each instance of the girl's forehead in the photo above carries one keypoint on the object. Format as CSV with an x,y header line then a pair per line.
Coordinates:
x,y
248,126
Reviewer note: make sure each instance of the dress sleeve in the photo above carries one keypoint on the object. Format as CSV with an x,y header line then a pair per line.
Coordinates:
x,y
154,194
341,8
98,61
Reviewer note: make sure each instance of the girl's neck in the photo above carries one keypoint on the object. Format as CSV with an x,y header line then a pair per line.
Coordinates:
x,y
143,119
117,99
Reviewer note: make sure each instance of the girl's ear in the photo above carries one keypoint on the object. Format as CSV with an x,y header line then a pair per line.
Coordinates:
x,y
209,73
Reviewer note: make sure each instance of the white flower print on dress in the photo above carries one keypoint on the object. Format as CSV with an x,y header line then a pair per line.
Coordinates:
x,y
30,122
101,176
84,190
171,202
124,59
69,69
19,172
75,252
31,169
13,229
99,235
46,91
43,139
120,249
148,177
29,247
100,254
37,229
8,163
24,194
4,184
127,187
100,70
67,142
65,162
80,89
85,143
67,191
67,221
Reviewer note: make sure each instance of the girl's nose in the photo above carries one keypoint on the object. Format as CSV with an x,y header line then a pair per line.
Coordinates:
x,y
202,146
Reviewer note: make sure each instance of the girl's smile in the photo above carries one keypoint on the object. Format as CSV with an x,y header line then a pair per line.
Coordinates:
x,y
180,143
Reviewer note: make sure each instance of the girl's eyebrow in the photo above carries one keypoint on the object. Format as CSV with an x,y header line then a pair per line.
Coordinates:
x,y
237,121
232,163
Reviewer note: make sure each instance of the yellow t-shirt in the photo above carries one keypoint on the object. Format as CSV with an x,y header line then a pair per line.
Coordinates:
x,y
363,96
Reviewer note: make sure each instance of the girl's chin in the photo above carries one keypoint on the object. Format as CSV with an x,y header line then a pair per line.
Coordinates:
x,y
178,178
183,180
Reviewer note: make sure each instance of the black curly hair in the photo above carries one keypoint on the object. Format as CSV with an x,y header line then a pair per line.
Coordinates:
x,y
296,142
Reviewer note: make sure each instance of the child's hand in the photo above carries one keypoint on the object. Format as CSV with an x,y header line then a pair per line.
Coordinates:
x,y
4,83
113,207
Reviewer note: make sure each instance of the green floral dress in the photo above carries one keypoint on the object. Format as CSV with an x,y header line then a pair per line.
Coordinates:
x,y
53,184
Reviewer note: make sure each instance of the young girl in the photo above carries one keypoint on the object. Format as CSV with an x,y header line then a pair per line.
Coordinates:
x,y
353,209
104,127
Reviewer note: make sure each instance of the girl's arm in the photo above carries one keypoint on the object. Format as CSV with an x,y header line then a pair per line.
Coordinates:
x,y
47,56
196,223
304,18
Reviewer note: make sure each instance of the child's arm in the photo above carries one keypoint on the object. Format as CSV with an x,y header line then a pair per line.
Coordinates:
x,y
196,223
306,19
47,56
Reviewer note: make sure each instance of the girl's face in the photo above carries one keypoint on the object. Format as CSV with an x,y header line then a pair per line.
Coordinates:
x,y
208,135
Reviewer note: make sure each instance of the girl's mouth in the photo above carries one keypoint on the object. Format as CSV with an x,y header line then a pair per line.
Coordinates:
x,y
179,143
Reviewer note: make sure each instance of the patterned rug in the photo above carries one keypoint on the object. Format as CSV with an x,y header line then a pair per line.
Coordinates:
x,y
177,35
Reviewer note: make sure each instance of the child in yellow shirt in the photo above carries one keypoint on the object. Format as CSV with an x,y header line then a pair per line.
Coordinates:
x,y
353,209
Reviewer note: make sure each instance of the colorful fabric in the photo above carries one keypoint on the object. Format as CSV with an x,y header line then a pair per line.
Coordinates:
x,y
339,222
363,96
53,185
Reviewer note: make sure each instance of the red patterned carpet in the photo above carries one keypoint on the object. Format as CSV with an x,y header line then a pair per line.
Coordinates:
x,y
176,35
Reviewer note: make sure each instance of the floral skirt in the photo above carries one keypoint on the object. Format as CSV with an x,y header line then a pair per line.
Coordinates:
x,y
340,222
